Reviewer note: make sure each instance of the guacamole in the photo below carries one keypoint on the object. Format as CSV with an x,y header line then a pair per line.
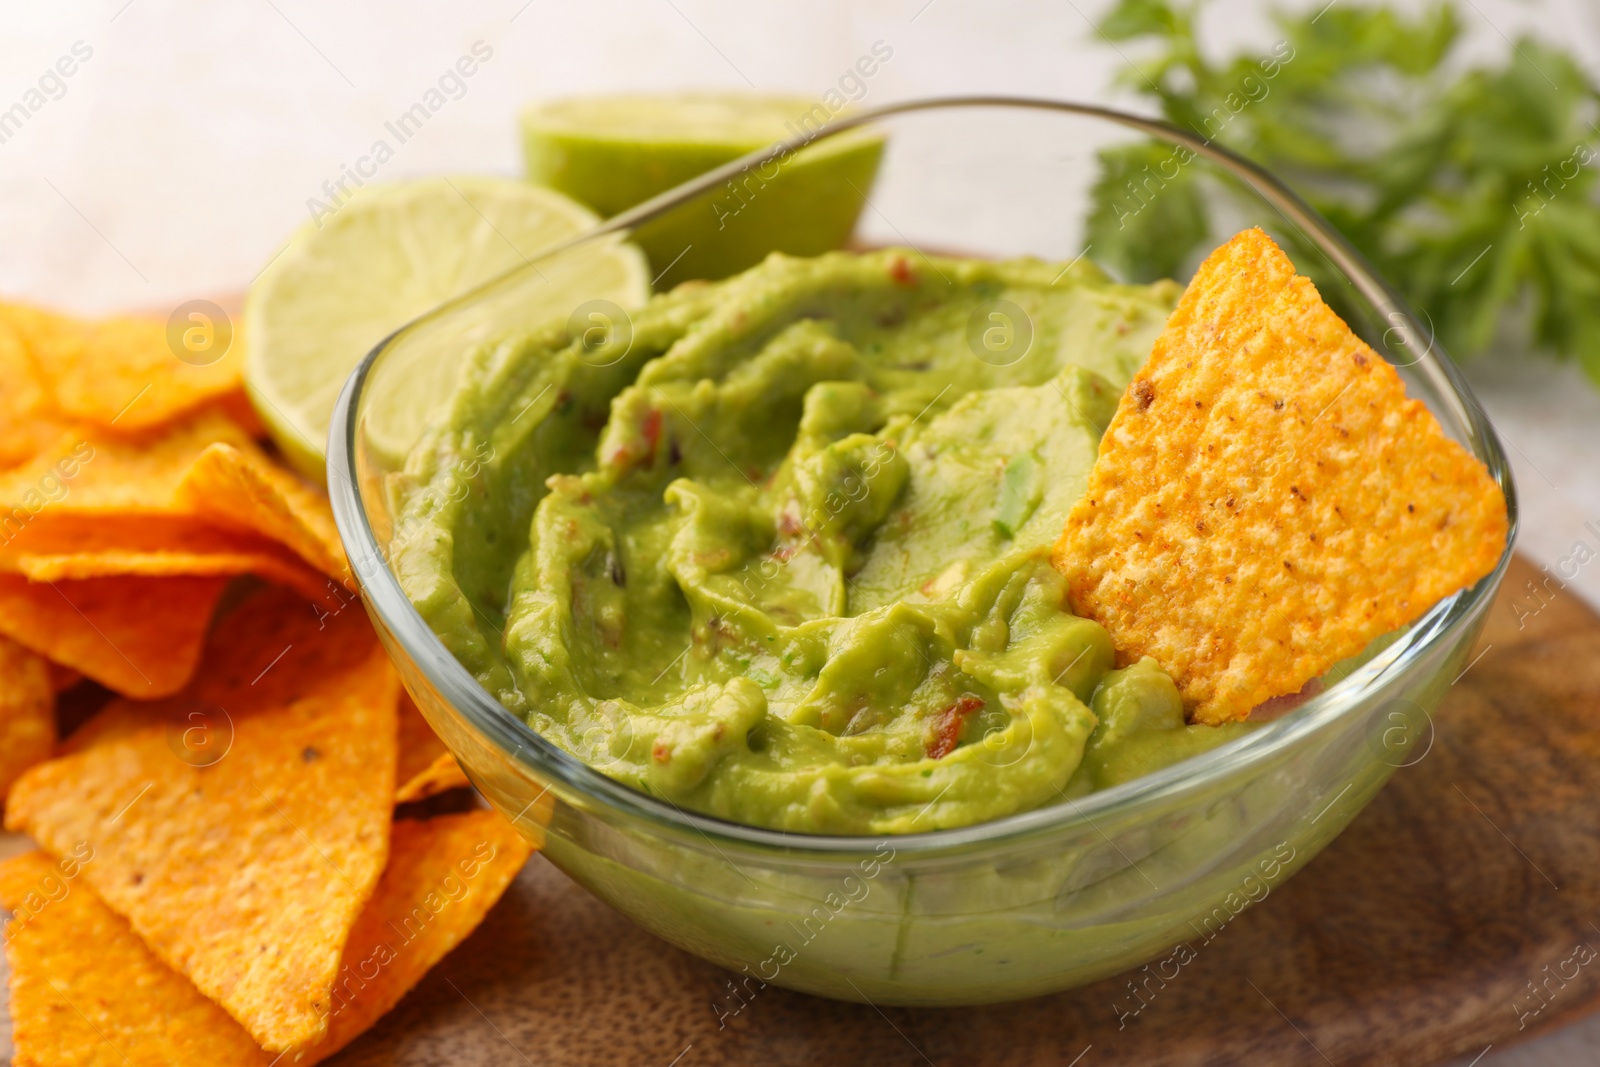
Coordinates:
x,y
777,549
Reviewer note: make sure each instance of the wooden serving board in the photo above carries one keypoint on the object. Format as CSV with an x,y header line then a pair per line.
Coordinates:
x,y
1411,940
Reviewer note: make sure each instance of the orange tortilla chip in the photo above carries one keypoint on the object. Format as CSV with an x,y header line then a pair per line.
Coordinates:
x,y
425,766
440,776
419,745
444,875
27,417
241,488
1267,500
138,636
119,372
91,472
240,827
63,546
62,678
237,407
121,717
267,564
86,991
95,504
27,712
271,622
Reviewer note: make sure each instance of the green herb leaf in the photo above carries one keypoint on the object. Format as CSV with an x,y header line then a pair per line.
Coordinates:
x,y
1148,214
1020,490
1473,190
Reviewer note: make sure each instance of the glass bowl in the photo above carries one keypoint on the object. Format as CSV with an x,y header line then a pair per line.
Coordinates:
x,y
1024,905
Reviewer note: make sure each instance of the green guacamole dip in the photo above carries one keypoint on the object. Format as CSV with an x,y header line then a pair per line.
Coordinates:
x,y
779,552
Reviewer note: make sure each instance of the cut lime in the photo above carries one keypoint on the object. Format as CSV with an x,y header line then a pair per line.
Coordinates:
x,y
616,151
387,255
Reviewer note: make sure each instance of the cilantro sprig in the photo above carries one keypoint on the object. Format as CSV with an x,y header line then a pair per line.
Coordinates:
x,y
1471,188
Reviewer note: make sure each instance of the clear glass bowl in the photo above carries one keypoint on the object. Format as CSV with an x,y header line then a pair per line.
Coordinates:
x,y
1024,905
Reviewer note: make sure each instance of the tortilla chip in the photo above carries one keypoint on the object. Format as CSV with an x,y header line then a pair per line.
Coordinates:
x,y
119,372
1266,500
419,745
90,472
267,565
237,407
440,776
241,855
85,990
239,487
205,469
121,717
62,678
62,546
425,766
95,504
27,417
444,875
269,623
27,712
137,636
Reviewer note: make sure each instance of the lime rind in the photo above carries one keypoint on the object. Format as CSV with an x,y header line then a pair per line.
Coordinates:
x,y
611,153
385,256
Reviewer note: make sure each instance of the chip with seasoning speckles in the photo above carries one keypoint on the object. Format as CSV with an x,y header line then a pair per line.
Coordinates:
x,y
241,825
27,712
86,990
1267,500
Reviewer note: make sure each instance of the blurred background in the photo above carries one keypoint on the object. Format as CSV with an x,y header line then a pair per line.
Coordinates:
x,y
191,138
185,148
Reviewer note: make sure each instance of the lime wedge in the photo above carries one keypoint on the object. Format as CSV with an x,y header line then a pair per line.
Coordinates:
x,y
388,254
613,152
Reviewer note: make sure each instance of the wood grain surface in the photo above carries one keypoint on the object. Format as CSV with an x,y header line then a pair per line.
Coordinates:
x,y
1416,937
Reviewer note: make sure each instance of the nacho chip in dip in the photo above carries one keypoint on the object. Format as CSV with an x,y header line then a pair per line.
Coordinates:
x,y
1267,500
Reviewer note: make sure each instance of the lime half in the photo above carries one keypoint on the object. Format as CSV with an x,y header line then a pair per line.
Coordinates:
x,y
388,254
614,152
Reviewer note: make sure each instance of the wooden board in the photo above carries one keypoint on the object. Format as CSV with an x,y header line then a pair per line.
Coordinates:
x,y
1412,939
1409,941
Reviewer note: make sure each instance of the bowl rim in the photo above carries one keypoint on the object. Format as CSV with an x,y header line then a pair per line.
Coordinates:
x,y
540,758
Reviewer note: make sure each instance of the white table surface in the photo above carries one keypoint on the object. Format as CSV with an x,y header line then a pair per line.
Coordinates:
x,y
185,147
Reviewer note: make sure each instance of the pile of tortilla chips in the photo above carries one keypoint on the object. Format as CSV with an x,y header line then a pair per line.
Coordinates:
x,y
222,878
